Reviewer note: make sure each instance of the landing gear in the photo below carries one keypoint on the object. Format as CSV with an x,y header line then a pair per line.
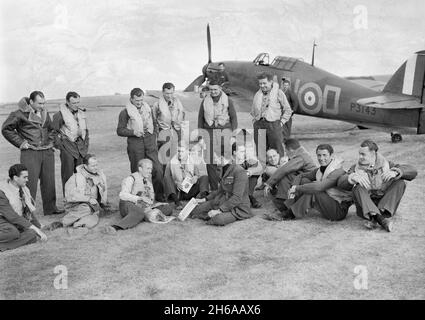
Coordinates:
x,y
395,137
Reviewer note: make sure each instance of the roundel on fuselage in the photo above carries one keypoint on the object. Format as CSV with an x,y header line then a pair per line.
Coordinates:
x,y
310,98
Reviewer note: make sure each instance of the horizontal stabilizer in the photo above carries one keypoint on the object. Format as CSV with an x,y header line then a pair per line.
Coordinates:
x,y
391,101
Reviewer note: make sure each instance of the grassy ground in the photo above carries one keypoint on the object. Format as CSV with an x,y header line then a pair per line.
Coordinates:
x,y
251,259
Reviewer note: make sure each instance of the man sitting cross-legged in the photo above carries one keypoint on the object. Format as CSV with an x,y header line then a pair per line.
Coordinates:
x,y
184,169
137,198
18,225
231,201
85,195
318,189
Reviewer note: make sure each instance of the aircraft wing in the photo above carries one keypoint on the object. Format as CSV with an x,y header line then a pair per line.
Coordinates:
x,y
391,101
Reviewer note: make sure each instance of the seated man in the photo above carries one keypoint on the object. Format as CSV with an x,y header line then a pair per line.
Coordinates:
x,y
183,168
246,158
299,162
137,199
85,194
273,162
317,189
18,225
231,201
377,185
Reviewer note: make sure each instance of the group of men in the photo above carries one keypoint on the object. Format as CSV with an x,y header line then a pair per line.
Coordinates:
x,y
166,168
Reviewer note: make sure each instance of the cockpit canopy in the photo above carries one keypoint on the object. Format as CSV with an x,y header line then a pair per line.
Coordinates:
x,y
280,62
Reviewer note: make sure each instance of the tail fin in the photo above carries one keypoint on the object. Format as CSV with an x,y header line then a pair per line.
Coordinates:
x,y
409,78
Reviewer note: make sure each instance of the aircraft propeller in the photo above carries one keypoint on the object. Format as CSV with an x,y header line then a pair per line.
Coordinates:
x,y
201,79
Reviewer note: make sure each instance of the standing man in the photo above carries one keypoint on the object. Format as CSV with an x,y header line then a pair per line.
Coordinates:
x,y
217,115
30,129
318,189
169,115
72,135
136,122
18,226
377,185
293,103
270,111
299,162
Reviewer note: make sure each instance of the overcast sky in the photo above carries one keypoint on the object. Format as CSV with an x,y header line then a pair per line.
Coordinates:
x,y
99,47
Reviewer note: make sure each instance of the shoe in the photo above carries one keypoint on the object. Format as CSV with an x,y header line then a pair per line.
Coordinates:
x,y
202,195
254,203
108,230
178,205
77,232
272,217
371,225
288,215
385,223
57,211
53,226
161,198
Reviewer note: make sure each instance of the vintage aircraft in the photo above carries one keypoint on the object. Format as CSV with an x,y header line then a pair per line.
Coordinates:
x,y
359,100
369,102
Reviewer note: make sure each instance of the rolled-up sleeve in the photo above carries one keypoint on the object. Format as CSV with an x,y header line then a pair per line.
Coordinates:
x,y
125,194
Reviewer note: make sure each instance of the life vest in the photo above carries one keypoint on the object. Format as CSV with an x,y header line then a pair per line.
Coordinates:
x,y
136,121
72,126
335,193
217,112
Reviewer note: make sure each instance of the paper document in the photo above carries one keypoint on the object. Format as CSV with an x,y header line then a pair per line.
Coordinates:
x,y
188,208
187,184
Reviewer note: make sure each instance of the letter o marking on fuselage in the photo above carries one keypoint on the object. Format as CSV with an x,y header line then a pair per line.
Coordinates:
x,y
310,98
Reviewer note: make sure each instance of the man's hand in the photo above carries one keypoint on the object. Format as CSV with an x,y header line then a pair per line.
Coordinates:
x,y
194,180
198,201
213,213
93,201
248,173
291,192
138,133
40,233
282,123
388,175
25,145
267,190
145,200
361,179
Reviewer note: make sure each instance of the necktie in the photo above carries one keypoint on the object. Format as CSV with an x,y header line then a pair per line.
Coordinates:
x,y
25,210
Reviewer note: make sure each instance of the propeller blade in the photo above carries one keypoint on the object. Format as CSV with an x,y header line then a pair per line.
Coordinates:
x,y
197,82
209,43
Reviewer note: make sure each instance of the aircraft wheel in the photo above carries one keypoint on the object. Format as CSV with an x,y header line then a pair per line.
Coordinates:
x,y
396,137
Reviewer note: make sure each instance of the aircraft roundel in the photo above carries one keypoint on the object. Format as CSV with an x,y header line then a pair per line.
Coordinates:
x,y
310,98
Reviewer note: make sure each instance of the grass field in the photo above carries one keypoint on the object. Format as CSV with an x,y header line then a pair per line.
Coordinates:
x,y
252,259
